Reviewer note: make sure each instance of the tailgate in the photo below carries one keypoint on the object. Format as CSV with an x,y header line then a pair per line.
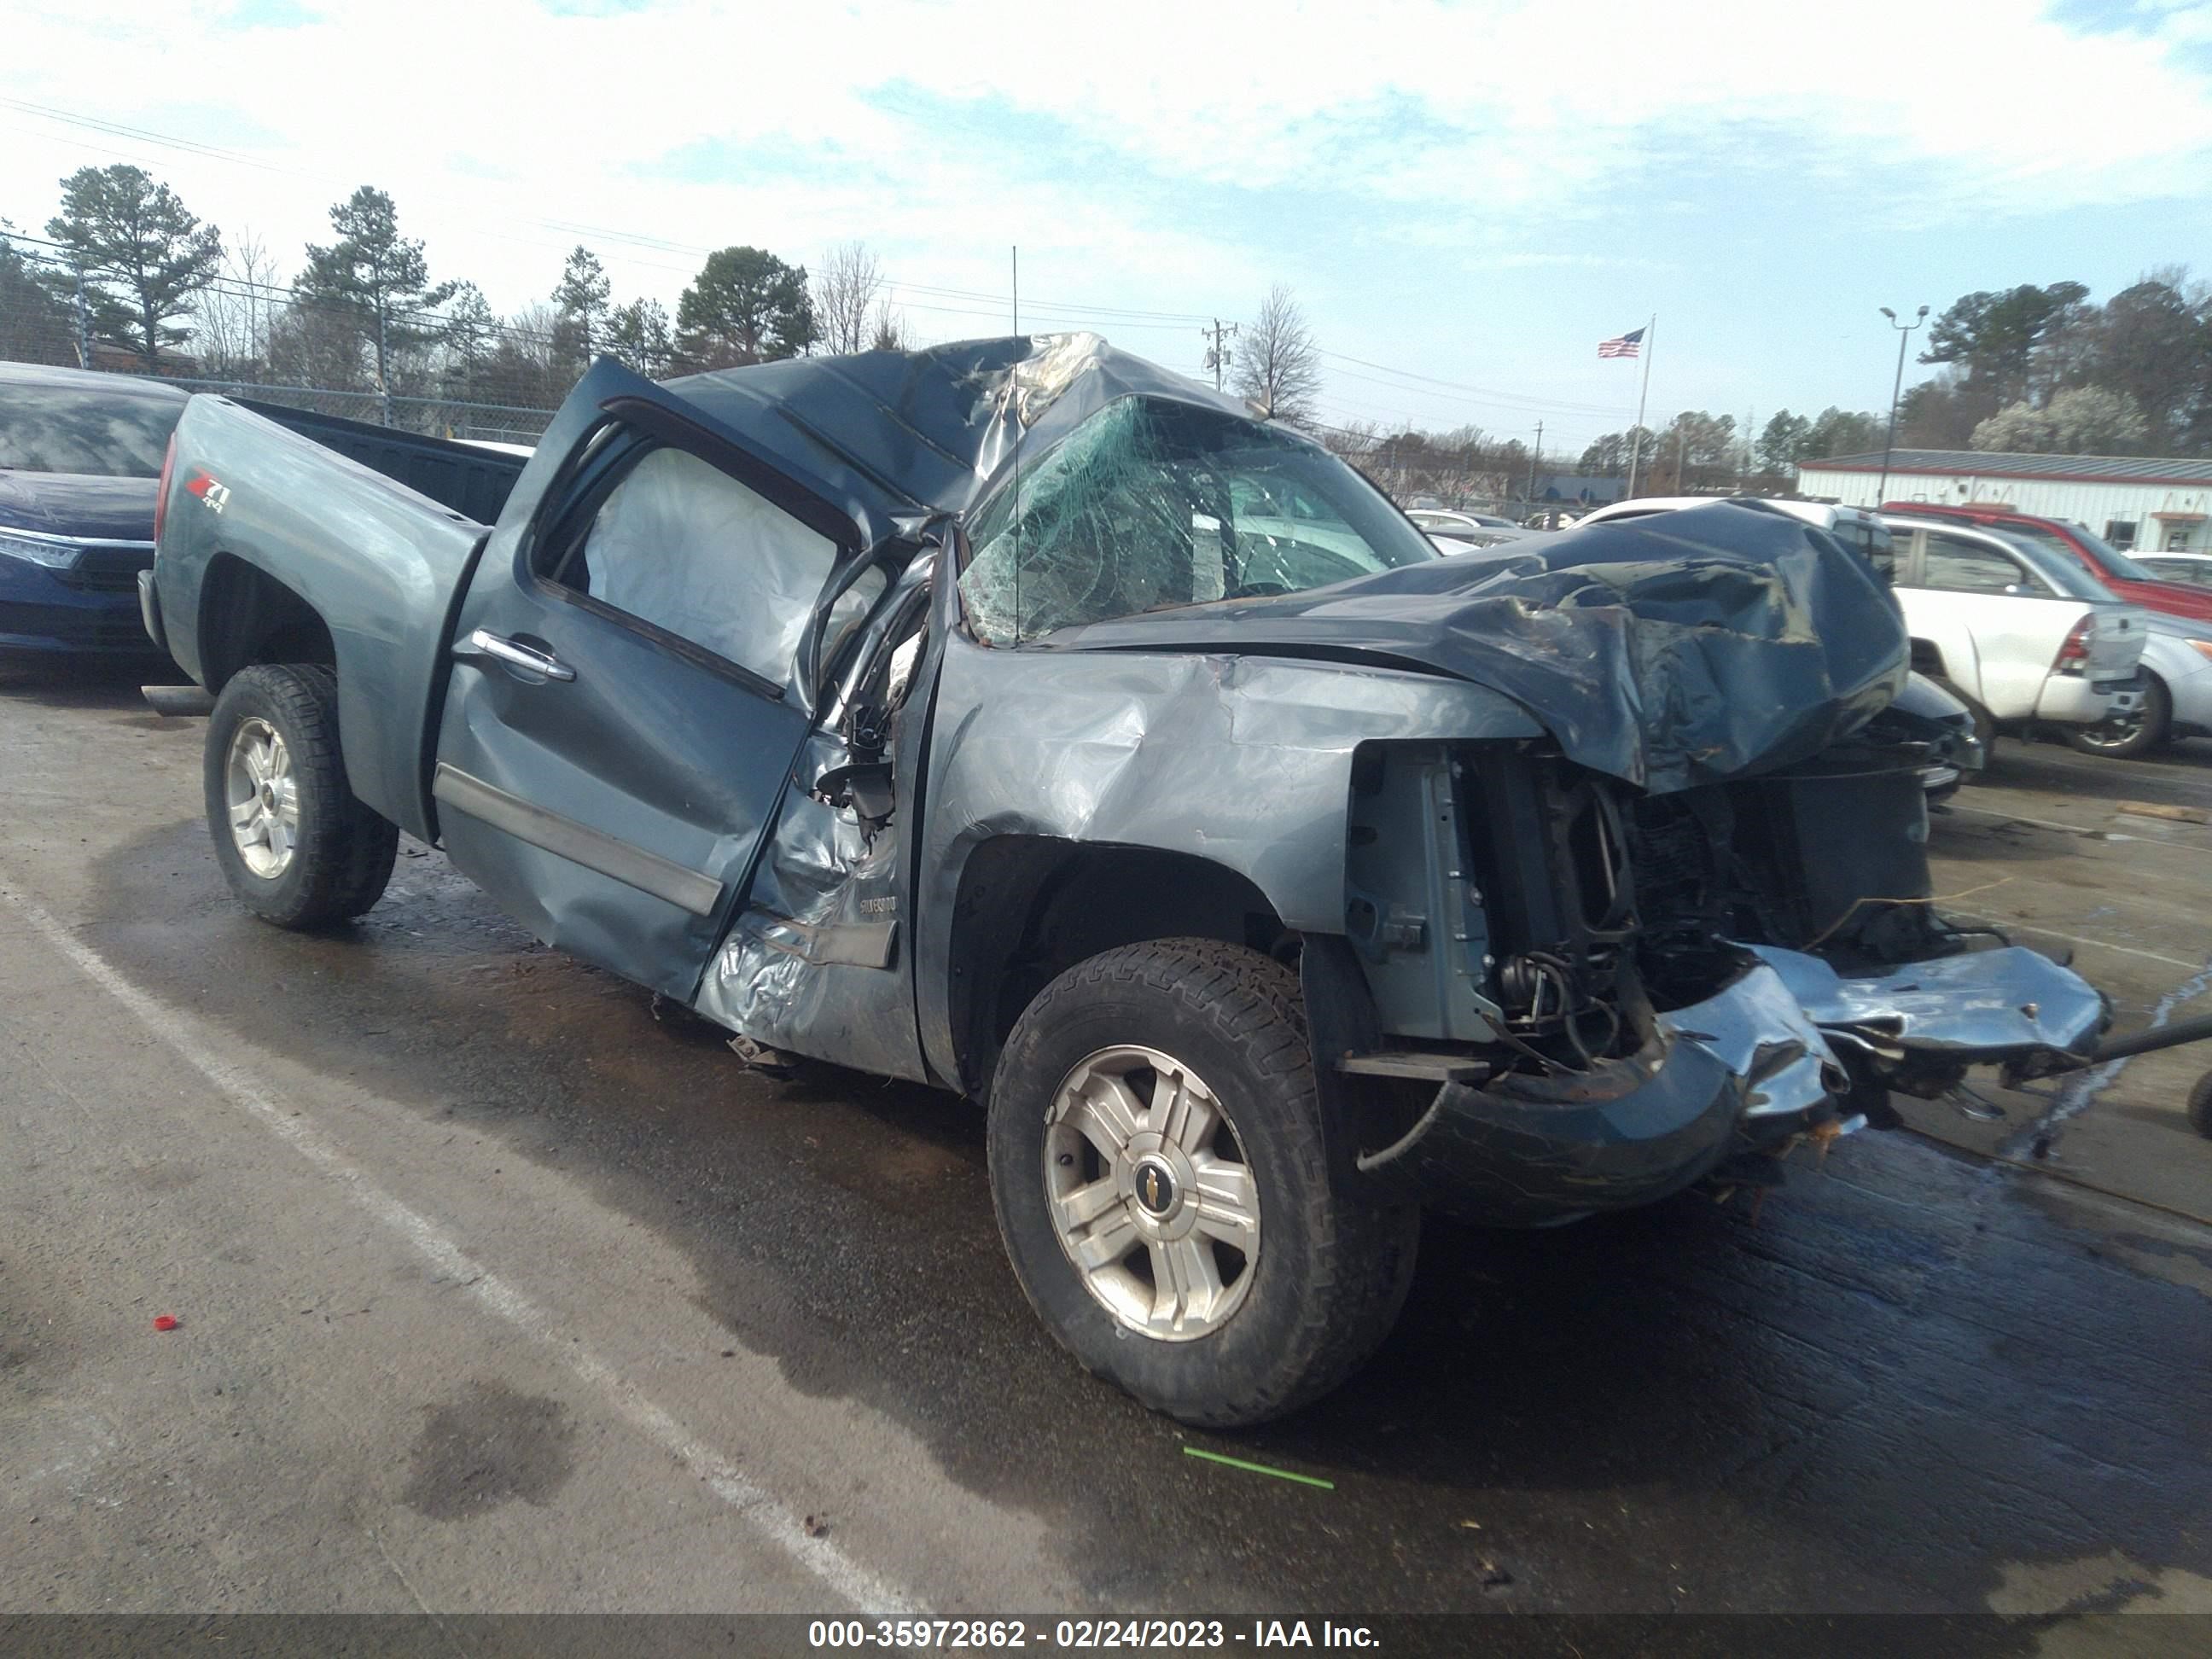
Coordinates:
x,y
2115,641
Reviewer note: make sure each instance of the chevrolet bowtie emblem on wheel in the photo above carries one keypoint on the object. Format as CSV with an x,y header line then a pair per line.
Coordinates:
x,y
1155,1189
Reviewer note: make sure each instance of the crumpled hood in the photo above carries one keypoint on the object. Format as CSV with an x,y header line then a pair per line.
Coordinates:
x,y
99,509
1669,652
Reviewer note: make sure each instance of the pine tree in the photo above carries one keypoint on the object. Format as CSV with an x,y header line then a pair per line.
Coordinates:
x,y
144,257
378,274
747,307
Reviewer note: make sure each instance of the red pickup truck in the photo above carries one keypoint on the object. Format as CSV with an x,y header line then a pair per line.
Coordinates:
x,y
2128,579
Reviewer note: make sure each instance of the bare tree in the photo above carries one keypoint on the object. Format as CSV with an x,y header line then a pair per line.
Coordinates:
x,y
847,292
888,331
1353,439
230,329
1278,365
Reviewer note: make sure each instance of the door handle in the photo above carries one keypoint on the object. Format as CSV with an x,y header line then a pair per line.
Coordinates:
x,y
485,643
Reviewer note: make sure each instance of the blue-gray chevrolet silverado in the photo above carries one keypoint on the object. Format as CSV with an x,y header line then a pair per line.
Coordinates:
x,y
1019,718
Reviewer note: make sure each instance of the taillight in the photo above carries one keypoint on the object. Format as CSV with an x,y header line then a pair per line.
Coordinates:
x,y
2073,655
161,490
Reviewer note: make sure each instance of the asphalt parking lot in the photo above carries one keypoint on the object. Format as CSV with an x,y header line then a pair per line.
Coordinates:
x,y
500,1287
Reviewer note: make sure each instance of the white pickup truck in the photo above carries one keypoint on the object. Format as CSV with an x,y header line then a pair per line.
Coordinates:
x,y
2023,636
2020,633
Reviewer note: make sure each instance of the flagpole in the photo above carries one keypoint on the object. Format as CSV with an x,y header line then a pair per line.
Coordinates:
x,y
1636,438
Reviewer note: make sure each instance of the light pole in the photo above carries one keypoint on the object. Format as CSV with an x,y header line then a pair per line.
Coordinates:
x,y
1896,391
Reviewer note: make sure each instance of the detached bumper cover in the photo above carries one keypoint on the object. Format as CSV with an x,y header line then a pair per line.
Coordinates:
x,y
1982,1008
1756,1062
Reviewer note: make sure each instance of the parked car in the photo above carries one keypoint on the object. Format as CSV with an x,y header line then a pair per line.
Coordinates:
x,y
79,456
1448,521
2023,634
2176,683
2129,578
2190,569
1013,717
1449,542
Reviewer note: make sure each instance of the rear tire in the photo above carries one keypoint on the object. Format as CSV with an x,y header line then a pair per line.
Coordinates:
x,y
1189,1323
296,845
2152,727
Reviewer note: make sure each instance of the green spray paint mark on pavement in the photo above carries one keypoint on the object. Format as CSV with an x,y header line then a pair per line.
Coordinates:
x,y
1261,1468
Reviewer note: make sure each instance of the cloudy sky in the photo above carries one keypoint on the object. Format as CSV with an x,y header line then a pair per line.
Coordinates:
x,y
1465,198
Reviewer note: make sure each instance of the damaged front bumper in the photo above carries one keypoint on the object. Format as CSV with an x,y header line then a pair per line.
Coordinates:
x,y
1773,1053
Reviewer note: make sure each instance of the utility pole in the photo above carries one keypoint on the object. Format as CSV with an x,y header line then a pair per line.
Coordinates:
x,y
84,324
1216,351
383,384
1534,455
1896,391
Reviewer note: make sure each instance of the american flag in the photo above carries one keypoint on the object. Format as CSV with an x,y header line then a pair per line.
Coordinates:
x,y
1625,345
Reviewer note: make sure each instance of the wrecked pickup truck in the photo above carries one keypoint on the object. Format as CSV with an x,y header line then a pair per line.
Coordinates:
x,y
1019,718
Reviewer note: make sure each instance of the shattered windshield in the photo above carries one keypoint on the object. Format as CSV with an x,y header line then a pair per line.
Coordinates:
x,y
1151,504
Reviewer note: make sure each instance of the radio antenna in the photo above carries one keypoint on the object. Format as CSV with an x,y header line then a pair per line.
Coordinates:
x,y
1014,408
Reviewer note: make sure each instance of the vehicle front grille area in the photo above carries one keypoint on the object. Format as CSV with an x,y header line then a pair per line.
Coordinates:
x,y
1552,850
77,629
1603,904
1494,890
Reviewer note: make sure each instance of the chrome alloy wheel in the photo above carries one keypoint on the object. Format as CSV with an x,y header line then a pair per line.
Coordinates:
x,y
1152,1195
2118,734
263,798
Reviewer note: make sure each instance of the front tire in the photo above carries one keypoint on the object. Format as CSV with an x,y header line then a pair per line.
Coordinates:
x,y
1161,1181
296,845
2149,728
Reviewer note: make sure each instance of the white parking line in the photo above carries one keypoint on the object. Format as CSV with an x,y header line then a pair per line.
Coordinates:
x,y
2088,831
2094,943
775,1524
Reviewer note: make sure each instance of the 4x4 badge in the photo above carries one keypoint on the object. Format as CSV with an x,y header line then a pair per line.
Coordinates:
x,y
217,496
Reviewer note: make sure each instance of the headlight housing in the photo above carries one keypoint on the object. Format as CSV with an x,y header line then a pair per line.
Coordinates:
x,y
55,552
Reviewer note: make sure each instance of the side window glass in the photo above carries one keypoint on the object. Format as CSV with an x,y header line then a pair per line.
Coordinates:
x,y
1957,566
686,547
2180,570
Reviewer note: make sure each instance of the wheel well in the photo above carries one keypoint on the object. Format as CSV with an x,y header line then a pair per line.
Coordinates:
x,y
248,617
1031,907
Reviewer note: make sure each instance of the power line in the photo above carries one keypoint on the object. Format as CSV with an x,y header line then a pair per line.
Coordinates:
x,y
1503,399
1121,317
567,227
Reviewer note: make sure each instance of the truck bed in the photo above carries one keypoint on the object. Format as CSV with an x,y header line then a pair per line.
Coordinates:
x,y
377,562
473,481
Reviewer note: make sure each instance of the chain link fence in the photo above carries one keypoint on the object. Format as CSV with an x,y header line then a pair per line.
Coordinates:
x,y
461,373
